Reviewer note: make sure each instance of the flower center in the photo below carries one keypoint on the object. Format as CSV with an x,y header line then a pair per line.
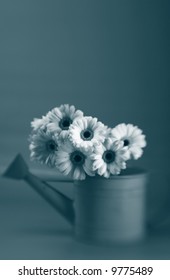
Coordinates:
x,y
65,123
109,156
51,146
77,158
126,142
87,134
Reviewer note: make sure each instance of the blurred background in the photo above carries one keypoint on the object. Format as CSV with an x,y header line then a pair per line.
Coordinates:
x,y
109,58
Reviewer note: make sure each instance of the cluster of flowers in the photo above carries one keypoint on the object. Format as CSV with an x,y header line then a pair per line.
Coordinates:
x,y
79,145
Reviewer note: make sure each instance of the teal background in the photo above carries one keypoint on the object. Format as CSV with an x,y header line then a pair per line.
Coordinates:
x,y
109,58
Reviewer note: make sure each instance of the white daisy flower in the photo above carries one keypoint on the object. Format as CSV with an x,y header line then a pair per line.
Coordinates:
x,y
43,147
61,118
73,161
38,123
109,158
86,132
132,138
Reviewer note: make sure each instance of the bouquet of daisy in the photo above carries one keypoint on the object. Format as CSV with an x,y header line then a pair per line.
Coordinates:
x,y
81,146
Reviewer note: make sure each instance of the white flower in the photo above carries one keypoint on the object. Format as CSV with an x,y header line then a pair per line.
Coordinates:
x,y
86,132
73,161
61,118
37,123
43,147
109,158
132,138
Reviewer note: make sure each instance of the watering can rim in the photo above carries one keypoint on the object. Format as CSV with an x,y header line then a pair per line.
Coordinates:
x,y
130,172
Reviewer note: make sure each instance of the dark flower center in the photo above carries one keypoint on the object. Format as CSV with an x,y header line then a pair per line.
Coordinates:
x,y
109,156
126,142
77,158
51,146
87,134
65,123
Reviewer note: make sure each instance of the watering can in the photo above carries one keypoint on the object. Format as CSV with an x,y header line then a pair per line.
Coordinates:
x,y
103,210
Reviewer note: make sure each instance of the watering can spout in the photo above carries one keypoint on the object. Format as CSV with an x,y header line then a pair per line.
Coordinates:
x,y
19,170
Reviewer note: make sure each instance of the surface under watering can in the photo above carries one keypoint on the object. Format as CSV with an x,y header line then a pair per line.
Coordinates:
x,y
103,210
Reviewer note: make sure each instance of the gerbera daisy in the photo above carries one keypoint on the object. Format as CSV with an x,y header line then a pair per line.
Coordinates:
x,y
73,161
132,138
62,117
86,132
43,147
109,158
40,123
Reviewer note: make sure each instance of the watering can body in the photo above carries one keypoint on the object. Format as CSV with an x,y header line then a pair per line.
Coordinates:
x,y
111,210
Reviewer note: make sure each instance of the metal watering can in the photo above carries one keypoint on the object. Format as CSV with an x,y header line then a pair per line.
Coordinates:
x,y
103,210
